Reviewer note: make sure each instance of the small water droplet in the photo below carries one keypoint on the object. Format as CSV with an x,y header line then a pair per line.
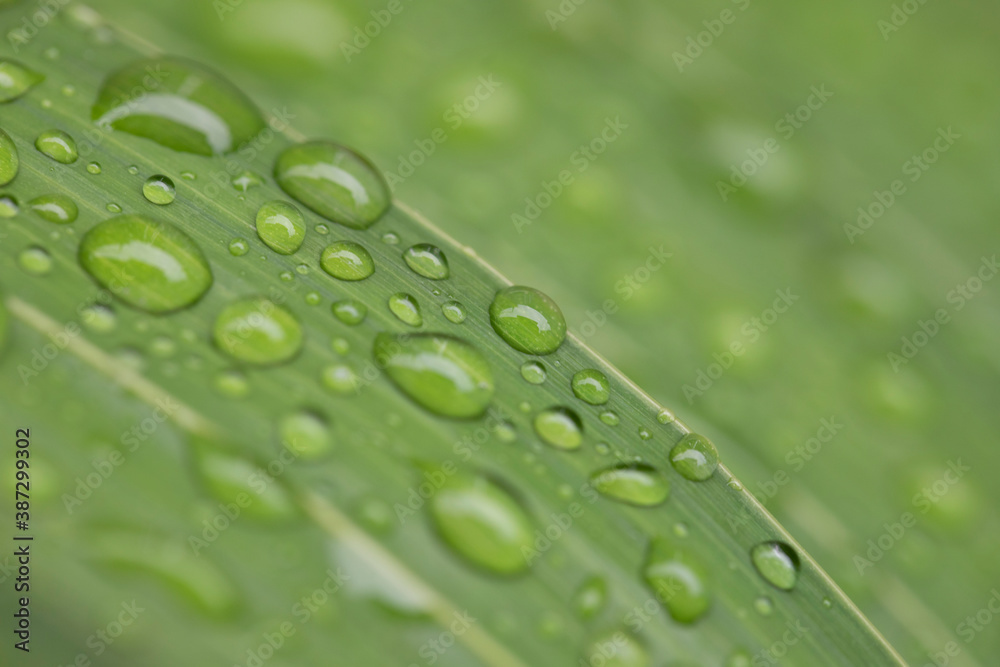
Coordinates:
x,y
694,457
258,331
340,346
665,416
9,160
8,206
286,276
94,168
113,207
559,427
231,383
590,597
246,180
636,484
624,649
68,90
238,247
644,433
340,379
159,189
739,658
591,385
350,312
132,169
57,145
56,208
610,418
681,529
16,80
827,603
528,320
677,579
603,448
162,346
427,260
98,318
306,434
313,298
406,309
390,238
347,260
453,311
189,175
505,431
281,227
777,563
763,606
533,372
35,260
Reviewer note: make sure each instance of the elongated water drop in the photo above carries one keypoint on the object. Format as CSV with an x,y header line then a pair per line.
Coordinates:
x,y
443,374
453,311
616,649
590,597
777,563
335,182
99,319
281,227
482,523
184,106
35,260
229,476
159,189
694,457
528,320
8,159
559,427
258,331
8,206
637,484
678,581
56,208
533,372
591,385
427,260
406,309
347,260
57,145
147,264
350,312
306,434
16,80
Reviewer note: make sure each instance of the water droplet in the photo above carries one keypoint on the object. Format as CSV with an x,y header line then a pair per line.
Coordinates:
x,y
644,433
678,581
603,448
445,375
390,238
302,269
591,385
482,523
739,658
528,320
191,108
287,276
763,606
35,260
8,206
132,169
505,431
229,476
313,299
694,457
246,180
9,161
827,603
113,207
306,434
232,383
189,175
98,318
69,90
340,379
16,80
681,529
610,418
376,514
350,312
57,145
238,247
533,372
281,227
427,260
94,168
665,416
347,260
559,427
59,209
639,484
258,331
590,597
162,346
159,189
150,265
340,346
777,563
335,182
406,309
624,649
453,311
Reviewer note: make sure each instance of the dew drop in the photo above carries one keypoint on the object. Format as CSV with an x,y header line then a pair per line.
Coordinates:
x,y
57,145
335,182
16,80
162,346
286,276
258,331
739,658
591,385
644,433
9,161
347,260
281,227
777,563
229,477
68,90
590,597
626,651
99,319
113,207
533,372
149,265
677,579
427,260
8,206
559,427
694,457
527,320
340,379
665,416
639,484
445,375
189,175
390,238
35,260
306,434
246,180
159,189
350,312
406,309
238,247
340,346
313,298
763,606
610,418
453,311
231,383
56,208
132,169
94,168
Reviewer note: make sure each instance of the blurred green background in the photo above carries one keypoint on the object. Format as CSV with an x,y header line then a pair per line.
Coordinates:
x,y
682,130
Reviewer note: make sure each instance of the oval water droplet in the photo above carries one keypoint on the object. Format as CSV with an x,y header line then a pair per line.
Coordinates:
x,y
190,108
406,309
9,161
615,649
591,385
427,260
94,168
665,416
644,433
694,457
335,182
777,563
16,80
231,383
159,189
56,208
533,372
678,581
610,418
637,484
590,597
528,320
238,247
347,260
763,606
245,180
229,476
35,260
8,206
162,346
350,312
559,427
306,434
453,311
149,265
99,319
340,379
482,523
258,331
281,227
57,145
443,374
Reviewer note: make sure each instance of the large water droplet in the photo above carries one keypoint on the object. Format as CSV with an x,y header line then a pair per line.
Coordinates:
x,y
427,260
591,385
636,484
334,181
482,522
528,320
616,649
57,145
533,372
59,209
150,265
445,375
591,597
35,260
159,189
777,563
8,159
184,106
347,260
694,457
559,427
350,312
281,227
258,331
306,434
406,309
16,80
678,581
